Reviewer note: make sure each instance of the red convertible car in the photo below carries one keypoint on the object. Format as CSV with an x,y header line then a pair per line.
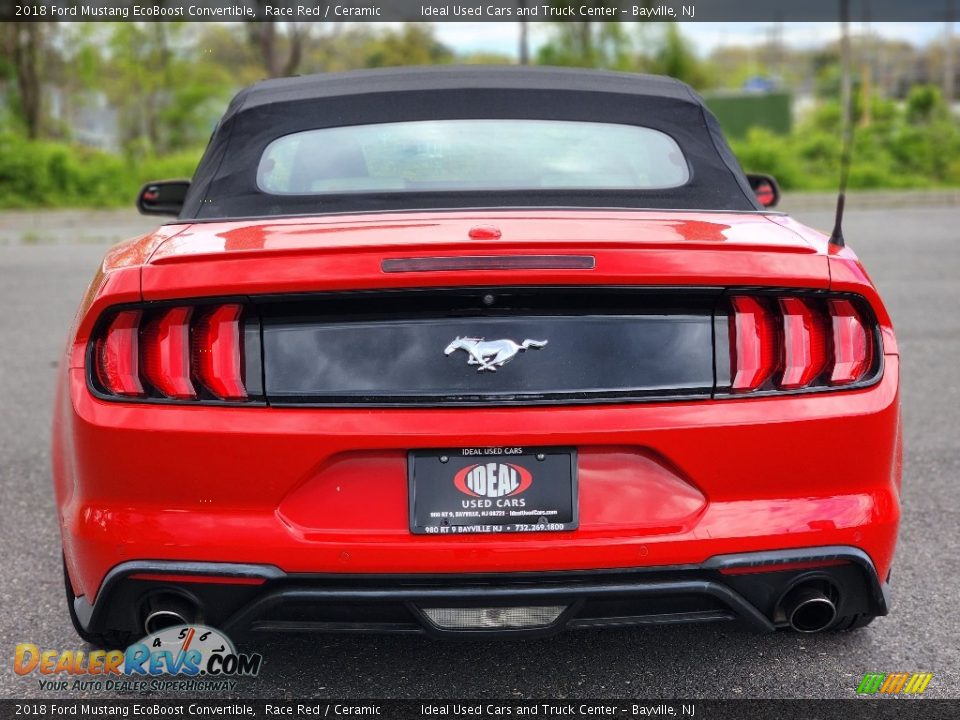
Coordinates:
x,y
475,351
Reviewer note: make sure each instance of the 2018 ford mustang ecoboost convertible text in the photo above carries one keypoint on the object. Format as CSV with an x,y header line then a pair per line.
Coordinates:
x,y
475,351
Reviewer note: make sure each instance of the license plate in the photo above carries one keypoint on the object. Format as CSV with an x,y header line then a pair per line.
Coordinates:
x,y
492,490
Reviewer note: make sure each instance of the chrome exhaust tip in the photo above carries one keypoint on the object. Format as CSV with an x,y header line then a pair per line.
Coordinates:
x,y
809,609
161,620
167,611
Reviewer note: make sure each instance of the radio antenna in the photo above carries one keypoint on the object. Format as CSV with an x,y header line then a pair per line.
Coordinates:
x,y
846,102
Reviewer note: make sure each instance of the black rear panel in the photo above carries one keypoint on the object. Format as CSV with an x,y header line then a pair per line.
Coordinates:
x,y
517,346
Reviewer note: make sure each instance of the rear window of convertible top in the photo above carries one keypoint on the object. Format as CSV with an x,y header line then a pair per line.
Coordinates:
x,y
458,155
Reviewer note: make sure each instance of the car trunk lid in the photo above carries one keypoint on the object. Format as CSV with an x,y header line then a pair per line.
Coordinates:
x,y
349,252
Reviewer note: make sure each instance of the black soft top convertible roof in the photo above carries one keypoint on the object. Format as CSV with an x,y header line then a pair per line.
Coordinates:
x,y
225,183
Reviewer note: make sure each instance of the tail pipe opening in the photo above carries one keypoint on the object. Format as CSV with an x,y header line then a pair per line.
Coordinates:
x,y
811,606
166,610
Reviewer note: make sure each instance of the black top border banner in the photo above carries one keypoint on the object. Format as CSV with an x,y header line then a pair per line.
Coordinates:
x,y
474,10
447,709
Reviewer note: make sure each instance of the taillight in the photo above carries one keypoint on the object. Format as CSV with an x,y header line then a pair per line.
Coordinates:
x,y
804,343
794,343
181,353
217,352
117,355
165,353
852,343
753,344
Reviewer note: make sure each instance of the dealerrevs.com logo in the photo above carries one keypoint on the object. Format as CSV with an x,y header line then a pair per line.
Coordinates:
x,y
493,480
184,657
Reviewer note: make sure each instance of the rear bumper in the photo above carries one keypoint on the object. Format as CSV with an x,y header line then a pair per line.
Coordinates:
x,y
248,598
324,491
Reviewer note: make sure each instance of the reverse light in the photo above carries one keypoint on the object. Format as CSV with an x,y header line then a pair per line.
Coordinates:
x,y
494,618
179,353
795,342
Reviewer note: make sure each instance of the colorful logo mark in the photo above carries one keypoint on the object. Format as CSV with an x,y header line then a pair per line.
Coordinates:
x,y
894,683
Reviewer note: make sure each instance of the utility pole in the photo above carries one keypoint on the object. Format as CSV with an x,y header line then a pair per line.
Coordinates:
x,y
524,40
866,68
836,237
776,46
948,73
845,64
524,34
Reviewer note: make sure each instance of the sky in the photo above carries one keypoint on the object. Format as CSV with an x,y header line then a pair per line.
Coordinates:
x,y
501,37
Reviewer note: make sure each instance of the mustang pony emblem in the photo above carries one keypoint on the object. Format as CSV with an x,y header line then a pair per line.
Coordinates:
x,y
491,354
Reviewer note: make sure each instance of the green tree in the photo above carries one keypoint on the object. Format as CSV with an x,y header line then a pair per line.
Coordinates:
x,y
279,46
166,92
413,44
227,48
24,48
673,56
925,104
588,44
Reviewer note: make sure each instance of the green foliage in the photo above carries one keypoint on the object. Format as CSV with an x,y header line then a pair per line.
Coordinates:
x,y
914,145
588,44
764,151
925,104
167,84
53,174
910,146
166,97
414,44
674,56
658,48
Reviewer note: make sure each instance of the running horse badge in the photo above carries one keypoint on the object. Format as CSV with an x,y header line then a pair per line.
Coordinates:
x,y
491,354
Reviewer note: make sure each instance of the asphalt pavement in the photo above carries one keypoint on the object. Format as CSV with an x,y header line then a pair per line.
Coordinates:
x,y
914,257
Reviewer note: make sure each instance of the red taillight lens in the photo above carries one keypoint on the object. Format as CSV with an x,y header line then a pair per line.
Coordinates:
x,y
804,343
117,355
753,344
217,352
852,345
792,343
181,353
165,353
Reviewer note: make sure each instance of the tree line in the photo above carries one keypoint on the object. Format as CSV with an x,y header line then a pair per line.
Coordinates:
x,y
164,85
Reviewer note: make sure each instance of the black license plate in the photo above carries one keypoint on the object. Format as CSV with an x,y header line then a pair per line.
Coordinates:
x,y
492,490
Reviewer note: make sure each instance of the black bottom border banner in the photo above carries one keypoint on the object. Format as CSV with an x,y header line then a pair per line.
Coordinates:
x,y
855,709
